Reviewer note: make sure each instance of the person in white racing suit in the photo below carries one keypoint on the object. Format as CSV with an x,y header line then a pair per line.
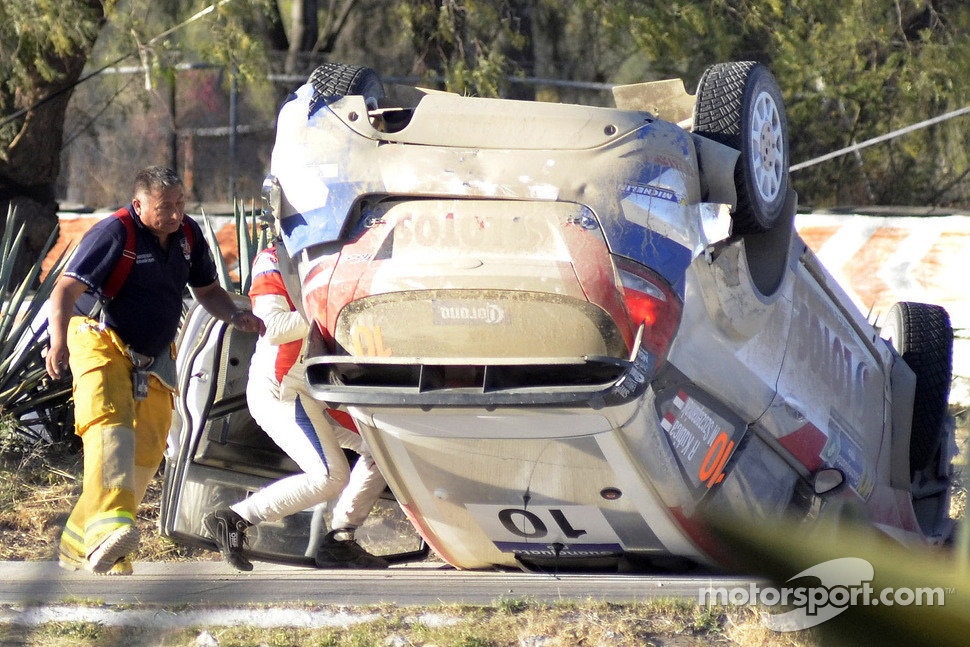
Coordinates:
x,y
310,434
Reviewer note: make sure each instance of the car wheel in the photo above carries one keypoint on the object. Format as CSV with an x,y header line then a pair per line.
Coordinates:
x,y
340,80
740,105
921,333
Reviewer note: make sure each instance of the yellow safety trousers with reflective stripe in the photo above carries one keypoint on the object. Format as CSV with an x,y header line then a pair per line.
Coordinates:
x,y
123,438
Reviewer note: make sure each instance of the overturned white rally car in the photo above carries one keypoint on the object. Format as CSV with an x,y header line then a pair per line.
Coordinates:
x,y
568,332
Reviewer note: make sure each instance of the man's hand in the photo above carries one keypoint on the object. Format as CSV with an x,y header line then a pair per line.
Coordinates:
x,y
247,322
63,297
220,304
57,361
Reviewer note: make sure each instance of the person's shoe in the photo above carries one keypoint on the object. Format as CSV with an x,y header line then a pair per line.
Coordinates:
x,y
121,567
113,548
345,553
71,561
228,530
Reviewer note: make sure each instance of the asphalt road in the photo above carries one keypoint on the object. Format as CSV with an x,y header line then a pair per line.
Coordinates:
x,y
214,583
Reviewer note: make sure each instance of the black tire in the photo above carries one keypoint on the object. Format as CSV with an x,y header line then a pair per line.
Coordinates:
x,y
740,105
921,333
338,80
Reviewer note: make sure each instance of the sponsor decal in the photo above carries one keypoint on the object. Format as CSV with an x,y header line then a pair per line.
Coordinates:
x,y
470,231
186,248
634,381
850,458
451,312
141,259
831,359
559,550
651,191
355,258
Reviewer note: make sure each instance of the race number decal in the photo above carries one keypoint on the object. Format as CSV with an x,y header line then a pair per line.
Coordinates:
x,y
538,530
702,439
368,341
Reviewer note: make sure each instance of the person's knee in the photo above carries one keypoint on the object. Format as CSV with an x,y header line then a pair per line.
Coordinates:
x,y
117,445
326,481
339,478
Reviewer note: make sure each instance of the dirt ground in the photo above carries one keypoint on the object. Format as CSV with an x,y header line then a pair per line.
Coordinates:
x,y
38,488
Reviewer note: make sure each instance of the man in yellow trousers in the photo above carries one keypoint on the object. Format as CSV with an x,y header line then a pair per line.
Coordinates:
x,y
114,314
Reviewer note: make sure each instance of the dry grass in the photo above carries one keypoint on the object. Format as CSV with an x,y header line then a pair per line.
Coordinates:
x,y
660,623
38,488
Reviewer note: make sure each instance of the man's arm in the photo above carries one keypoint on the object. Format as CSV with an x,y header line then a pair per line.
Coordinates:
x,y
282,324
220,305
65,294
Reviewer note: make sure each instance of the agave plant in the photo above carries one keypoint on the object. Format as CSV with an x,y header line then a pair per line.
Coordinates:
x,y
251,238
35,405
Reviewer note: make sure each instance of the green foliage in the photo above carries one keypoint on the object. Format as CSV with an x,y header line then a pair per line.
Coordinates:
x,y
163,35
513,606
231,39
37,37
31,31
708,619
469,43
29,399
251,238
474,641
849,72
39,40
12,442
862,71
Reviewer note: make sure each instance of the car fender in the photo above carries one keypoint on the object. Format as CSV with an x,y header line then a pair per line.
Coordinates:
x,y
902,382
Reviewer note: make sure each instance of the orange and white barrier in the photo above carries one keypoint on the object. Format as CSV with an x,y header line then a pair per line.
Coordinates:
x,y
881,260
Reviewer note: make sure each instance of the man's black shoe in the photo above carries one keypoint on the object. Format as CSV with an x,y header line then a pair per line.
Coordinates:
x,y
345,553
228,530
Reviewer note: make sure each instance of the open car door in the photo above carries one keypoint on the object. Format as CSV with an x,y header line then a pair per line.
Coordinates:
x,y
217,455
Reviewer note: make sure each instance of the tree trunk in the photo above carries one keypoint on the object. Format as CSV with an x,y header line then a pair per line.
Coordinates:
x,y
29,174
304,25
335,24
31,162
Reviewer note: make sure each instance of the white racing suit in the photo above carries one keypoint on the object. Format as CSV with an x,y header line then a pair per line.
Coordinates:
x,y
302,427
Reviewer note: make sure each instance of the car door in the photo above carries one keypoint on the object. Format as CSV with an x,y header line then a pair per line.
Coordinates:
x,y
218,455
831,404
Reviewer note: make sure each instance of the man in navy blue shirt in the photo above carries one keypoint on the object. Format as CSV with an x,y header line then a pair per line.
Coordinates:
x,y
121,355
